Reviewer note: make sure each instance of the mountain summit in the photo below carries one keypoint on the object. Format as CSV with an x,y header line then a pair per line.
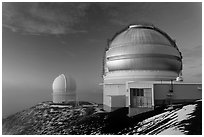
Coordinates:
x,y
89,118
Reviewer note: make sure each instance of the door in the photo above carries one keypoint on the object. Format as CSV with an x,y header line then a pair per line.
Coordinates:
x,y
140,97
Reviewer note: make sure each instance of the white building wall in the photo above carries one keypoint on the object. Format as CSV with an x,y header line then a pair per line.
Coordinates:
x,y
116,101
112,90
63,97
180,91
140,85
114,94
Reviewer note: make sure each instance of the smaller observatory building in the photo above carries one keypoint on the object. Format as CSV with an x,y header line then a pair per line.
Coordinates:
x,y
64,89
142,69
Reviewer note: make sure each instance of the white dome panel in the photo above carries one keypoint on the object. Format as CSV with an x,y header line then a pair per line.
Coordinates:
x,y
59,84
64,89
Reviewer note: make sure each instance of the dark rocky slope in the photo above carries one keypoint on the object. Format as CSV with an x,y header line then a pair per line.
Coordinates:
x,y
88,118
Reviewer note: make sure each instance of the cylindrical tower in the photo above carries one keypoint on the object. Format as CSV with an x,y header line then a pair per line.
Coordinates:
x,y
142,53
64,89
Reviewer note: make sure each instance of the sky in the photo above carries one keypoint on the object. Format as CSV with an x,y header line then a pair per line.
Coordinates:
x,y
43,40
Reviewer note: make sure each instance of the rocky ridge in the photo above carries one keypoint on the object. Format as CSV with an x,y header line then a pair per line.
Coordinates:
x,y
88,118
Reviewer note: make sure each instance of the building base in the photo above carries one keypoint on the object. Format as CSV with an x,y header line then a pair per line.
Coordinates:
x,y
110,109
136,111
161,102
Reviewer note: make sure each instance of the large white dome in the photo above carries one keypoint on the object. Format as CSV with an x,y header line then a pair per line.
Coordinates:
x,y
142,52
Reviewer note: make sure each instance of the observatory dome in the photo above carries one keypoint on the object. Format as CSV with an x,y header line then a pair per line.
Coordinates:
x,y
142,52
64,89
64,84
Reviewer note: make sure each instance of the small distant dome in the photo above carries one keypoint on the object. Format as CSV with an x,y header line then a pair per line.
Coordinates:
x,y
64,89
64,84
59,84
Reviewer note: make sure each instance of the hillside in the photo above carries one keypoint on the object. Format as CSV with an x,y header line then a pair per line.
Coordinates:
x,y
89,118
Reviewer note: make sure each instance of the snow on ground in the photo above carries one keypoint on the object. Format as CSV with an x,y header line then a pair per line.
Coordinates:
x,y
61,106
179,119
93,105
167,122
99,110
198,100
171,131
185,112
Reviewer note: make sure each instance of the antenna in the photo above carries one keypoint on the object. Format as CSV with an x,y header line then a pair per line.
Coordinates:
x,y
179,78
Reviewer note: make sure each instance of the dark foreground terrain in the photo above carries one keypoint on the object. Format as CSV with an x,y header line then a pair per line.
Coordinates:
x,y
89,118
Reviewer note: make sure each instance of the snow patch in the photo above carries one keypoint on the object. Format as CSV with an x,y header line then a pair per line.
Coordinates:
x,y
172,118
61,106
171,131
185,111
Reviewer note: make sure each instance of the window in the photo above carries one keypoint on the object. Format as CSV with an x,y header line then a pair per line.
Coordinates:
x,y
137,91
140,92
134,92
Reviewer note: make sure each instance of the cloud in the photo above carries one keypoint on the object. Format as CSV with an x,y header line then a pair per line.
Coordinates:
x,y
44,18
192,63
192,54
125,13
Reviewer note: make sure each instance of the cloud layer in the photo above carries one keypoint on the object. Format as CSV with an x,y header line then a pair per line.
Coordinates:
x,y
43,18
126,13
63,18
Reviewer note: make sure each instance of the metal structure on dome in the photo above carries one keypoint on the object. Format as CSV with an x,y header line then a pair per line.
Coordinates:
x,y
64,89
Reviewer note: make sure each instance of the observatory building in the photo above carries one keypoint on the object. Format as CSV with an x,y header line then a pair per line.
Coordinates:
x,y
142,69
64,89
